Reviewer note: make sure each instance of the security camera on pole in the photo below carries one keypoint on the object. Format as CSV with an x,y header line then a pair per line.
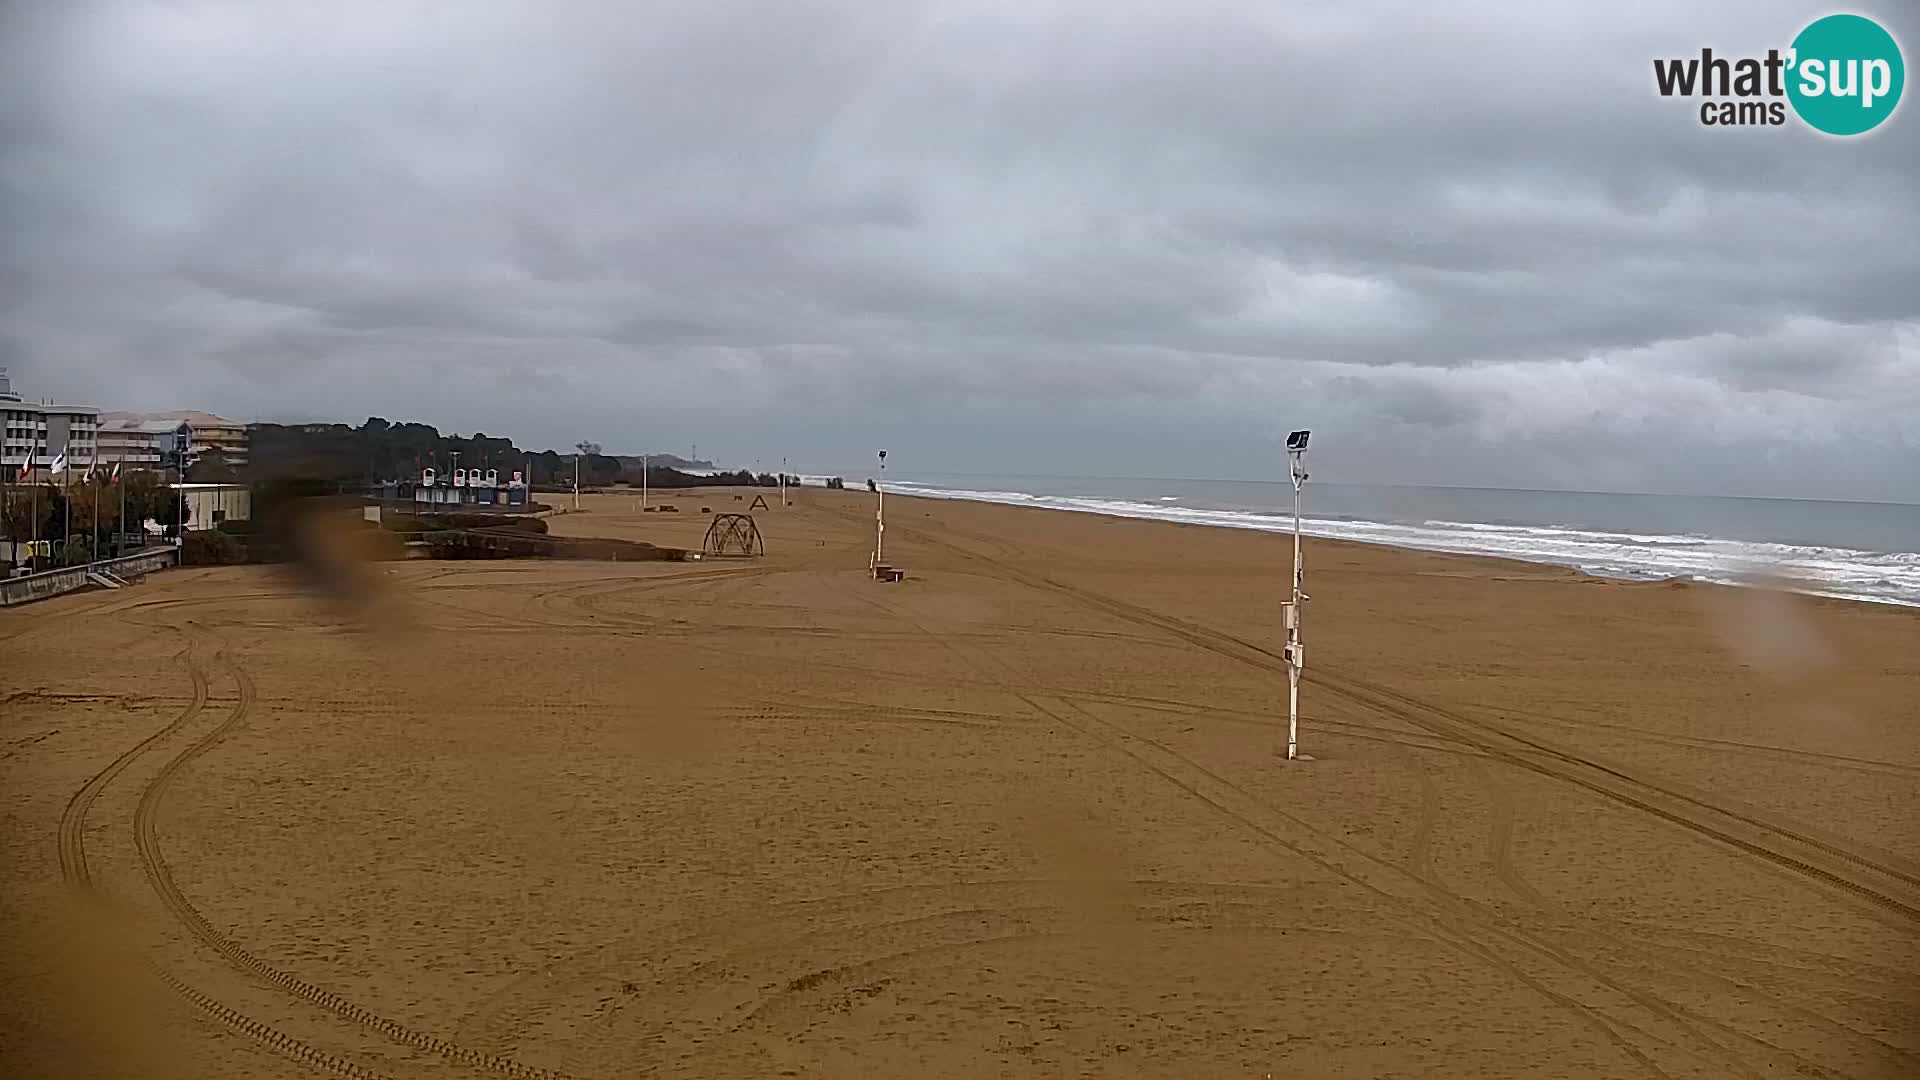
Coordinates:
x,y
1295,653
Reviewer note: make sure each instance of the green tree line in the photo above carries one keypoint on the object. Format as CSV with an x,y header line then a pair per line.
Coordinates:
x,y
351,458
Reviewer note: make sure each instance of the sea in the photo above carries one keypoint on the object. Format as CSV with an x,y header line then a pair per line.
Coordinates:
x,y
1852,550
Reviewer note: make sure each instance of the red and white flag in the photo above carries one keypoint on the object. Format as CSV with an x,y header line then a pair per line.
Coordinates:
x,y
26,467
114,476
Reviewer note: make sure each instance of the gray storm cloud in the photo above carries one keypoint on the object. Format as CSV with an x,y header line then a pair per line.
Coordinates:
x,y
1466,241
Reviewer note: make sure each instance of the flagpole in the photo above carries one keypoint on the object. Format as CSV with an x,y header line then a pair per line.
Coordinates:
x,y
32,456
13,538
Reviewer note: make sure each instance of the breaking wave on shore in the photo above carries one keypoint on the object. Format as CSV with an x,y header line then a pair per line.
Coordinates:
x,y
1845,573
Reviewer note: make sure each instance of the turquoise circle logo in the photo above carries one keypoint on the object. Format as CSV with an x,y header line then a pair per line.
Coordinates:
x,y
1847,75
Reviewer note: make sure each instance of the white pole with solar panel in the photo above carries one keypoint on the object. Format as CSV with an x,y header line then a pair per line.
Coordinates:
x,y
1295,653
879,514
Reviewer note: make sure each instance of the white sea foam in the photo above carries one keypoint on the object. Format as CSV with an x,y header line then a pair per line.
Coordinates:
x,y
1881,577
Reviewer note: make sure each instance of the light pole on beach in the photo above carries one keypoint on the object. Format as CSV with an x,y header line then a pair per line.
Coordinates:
x,y
879,513
184,436
1295,653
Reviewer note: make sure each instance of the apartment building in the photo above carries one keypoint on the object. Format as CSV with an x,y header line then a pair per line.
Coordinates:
x,y
213,436
134,444
44,430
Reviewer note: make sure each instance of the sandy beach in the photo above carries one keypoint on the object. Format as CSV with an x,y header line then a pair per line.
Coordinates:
x,y
1022,814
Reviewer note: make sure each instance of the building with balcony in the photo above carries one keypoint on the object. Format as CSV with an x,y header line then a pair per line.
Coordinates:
x,y
44,430
133,444
213,436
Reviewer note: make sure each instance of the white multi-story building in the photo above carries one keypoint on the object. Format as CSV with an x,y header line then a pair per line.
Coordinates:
x,y
134,444
213,436
46,431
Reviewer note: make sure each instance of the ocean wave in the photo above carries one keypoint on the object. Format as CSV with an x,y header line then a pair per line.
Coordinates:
x,y
1846,573
1683,540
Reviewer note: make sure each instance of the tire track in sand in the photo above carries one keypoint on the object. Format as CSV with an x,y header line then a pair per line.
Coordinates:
x,y
1865,877
1500,815
1234,648
153,865
719,972
1286,832
1870,879
71,838
71,842
1420,850
1470,732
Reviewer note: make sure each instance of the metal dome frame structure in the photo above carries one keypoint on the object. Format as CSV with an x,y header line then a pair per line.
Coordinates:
x,y
734,535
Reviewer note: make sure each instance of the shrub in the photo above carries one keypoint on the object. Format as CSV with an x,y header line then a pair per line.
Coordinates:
x,y
212,549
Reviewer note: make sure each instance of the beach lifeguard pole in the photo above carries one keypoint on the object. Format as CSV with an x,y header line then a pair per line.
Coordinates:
x,y
1295,653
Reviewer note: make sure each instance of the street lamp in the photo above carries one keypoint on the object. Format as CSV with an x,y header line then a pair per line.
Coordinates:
x,y
879,513
1295,653
183,436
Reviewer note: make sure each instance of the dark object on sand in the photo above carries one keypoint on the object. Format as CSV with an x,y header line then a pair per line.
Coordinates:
x,y
327,548
504,544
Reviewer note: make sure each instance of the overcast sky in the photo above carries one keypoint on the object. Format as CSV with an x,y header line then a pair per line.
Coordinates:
x,y
1464,242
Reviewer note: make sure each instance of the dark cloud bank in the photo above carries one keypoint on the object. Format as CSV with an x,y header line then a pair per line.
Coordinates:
x,y
1464,241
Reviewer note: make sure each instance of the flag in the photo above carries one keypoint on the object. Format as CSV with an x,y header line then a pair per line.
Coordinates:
x,y
87,477
114,476
59,463
26,467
